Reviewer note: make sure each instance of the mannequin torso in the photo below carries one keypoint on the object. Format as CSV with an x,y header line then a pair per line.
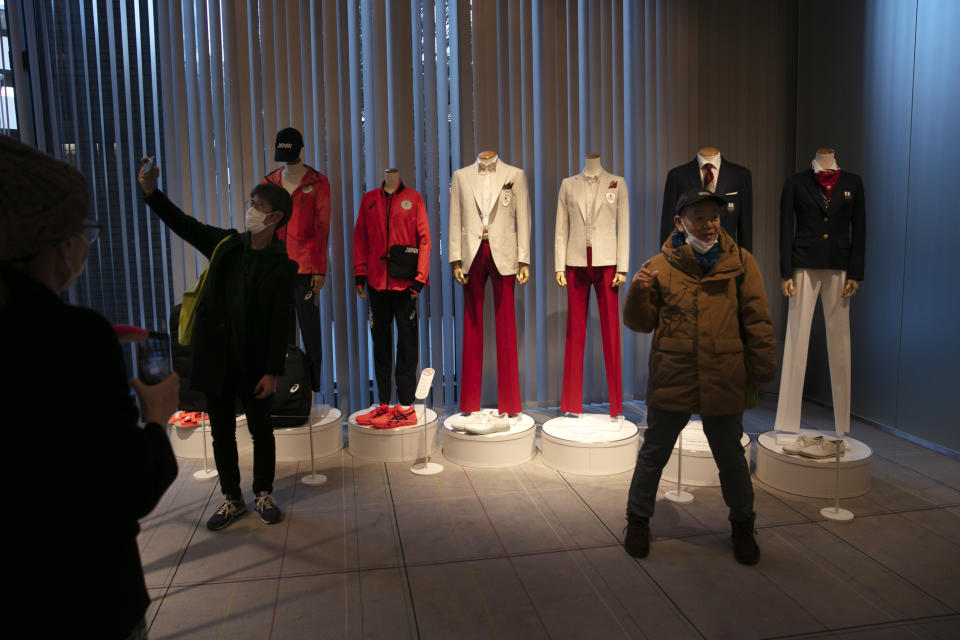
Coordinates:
x,y
486,159
824,160
592,167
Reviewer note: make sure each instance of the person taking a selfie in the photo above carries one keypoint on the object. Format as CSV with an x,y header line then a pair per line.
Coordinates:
x,y
240,333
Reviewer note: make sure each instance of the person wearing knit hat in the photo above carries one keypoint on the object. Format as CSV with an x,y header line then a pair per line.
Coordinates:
x,y
72,423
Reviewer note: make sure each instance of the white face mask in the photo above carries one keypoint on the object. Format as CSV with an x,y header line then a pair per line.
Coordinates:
x,y
695,243
255,220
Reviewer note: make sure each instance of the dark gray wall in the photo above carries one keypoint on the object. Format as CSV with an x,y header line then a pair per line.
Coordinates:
x,y
877,81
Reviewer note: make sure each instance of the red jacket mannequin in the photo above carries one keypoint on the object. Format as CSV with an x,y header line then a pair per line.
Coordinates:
x,y
309,227
408,226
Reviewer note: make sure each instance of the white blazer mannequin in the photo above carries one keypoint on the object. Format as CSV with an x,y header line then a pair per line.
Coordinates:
x,y
508,227
592,245
611,215
489,238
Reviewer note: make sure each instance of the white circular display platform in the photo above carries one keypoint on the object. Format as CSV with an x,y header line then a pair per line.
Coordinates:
x,y
814,477
186,442
392,445
592,445
699,467
493,450
293,443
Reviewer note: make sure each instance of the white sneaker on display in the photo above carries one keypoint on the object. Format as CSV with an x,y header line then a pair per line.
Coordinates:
x,y
823,448
491,424
802,441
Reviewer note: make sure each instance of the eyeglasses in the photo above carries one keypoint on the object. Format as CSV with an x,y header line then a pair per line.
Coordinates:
x,y
91,230
257,206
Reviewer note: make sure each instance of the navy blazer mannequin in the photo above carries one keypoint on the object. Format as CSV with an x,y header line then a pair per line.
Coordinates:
x,y
734,184
815,236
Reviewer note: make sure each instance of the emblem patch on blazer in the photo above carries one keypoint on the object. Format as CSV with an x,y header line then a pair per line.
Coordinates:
x,y
611,196
505,199
730,206
406,205
847,195
308,188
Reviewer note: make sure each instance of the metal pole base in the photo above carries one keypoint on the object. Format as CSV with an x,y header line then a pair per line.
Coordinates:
x,y
314,479
205,474
836,514
679,496
426,468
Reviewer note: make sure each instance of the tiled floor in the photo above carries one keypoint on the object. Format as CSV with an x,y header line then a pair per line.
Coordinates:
x,y
527,552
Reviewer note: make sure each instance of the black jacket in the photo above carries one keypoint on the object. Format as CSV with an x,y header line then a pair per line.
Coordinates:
x,y
72,443
817,237
734,184
245,329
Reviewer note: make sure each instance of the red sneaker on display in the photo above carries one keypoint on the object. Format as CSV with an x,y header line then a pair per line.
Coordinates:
x,y
399,417
366,419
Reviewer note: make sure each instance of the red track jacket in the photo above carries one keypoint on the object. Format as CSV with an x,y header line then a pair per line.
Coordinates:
x,y
408,226
307,231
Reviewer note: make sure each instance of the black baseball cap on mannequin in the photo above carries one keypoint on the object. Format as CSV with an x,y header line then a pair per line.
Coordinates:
x,y
288,145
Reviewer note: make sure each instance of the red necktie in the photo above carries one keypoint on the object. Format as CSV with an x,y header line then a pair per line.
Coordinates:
x,y
827,180
707,175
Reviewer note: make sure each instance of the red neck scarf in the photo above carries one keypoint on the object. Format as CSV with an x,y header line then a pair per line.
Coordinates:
x,y
827,180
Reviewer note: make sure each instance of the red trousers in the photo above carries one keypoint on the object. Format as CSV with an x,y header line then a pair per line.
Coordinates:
x,y
579,280
508,371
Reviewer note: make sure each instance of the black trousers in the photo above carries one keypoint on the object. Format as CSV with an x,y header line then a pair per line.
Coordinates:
x,y
723,434
307,313
223,429
387,307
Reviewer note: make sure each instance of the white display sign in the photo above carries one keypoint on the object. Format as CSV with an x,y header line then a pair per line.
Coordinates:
x,y
423,388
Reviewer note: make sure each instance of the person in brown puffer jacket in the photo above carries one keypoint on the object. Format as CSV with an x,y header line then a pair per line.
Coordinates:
x,y
692,296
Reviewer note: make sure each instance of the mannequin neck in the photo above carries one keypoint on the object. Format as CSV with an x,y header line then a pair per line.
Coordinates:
x,y
294,169
487,158
826,159
292,174
710,154
592,166
391,180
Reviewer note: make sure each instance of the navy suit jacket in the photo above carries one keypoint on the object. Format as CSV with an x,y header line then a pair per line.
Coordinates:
x,y
734,184
816,236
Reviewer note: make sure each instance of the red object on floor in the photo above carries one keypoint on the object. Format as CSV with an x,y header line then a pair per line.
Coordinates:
x,y
366,419
579,281
398,417
508,370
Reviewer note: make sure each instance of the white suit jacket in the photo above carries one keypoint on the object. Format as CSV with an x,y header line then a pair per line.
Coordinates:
x,y
611,224
509,224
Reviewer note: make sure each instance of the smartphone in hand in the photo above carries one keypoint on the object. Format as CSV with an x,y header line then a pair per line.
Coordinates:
x,y
147,166
153,358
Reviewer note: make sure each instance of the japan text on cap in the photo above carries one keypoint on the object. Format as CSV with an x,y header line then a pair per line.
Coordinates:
x,y
288,145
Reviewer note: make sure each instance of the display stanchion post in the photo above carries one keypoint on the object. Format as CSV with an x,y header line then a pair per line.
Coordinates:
x,y
425,468
835,512
206,473
313,479
680,495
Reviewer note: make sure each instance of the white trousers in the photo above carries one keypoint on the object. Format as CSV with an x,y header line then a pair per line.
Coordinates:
x,y
828,284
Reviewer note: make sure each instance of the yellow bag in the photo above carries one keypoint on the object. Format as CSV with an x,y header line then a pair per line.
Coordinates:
x,y
188,310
